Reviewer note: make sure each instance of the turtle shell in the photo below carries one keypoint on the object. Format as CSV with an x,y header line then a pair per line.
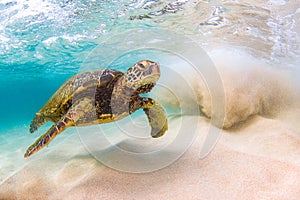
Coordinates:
x,y
77,87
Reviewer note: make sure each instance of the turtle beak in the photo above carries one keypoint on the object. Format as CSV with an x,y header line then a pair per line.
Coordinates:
x,y
154,69
154,73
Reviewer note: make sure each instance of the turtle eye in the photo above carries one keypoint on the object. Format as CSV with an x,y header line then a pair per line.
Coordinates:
x,y
141,66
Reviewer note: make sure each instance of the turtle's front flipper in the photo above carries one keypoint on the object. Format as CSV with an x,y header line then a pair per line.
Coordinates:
x,y
69,119
156,116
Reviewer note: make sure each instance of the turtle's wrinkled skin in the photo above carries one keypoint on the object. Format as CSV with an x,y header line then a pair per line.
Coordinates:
x,y
97,97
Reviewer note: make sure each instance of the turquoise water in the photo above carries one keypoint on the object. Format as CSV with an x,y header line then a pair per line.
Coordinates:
x,y
41,45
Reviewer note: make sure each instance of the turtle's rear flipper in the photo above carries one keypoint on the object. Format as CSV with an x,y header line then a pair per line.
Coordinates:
x,y
156,116
37,121
69,119
50,135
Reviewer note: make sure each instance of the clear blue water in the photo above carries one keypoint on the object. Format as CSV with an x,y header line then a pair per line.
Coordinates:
x,y
21,98
41,45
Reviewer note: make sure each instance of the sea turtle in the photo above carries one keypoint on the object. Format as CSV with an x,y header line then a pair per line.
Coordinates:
x,y
101,96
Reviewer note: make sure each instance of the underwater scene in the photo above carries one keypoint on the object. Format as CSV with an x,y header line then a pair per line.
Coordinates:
x,y
175,99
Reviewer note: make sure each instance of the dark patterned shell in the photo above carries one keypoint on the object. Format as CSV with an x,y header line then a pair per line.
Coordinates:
x,y
99,83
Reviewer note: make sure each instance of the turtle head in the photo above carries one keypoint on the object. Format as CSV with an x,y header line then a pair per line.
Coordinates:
x,y
142,76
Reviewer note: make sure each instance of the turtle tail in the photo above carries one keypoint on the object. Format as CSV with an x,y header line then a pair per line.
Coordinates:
x,y
37,121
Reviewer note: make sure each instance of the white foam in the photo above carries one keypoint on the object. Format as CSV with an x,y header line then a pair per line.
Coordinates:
x,y
24,8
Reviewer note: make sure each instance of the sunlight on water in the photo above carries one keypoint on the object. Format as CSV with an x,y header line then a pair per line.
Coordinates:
x,y
35,31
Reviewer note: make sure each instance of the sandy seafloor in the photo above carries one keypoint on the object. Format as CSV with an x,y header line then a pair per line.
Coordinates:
x,y
256,157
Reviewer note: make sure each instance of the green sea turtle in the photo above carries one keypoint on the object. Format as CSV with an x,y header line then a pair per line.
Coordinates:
x,y
101,96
